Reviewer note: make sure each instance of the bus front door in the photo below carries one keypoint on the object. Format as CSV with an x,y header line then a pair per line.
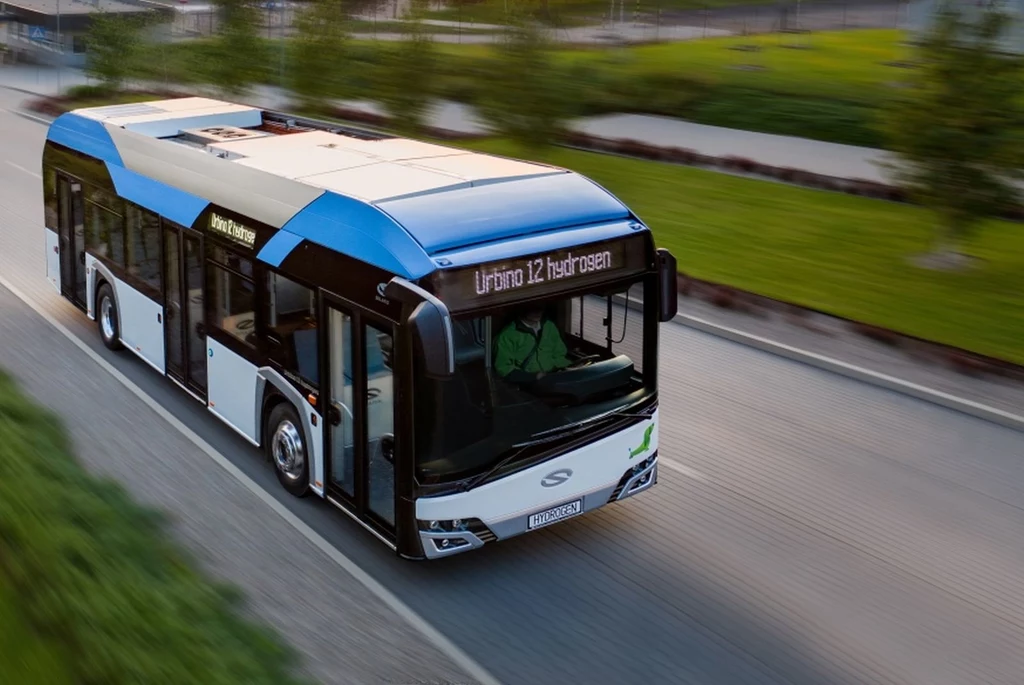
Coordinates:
x,y
359,439
71,240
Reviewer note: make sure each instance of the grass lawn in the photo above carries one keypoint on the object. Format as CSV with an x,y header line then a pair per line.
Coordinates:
x,y
843,65
837,253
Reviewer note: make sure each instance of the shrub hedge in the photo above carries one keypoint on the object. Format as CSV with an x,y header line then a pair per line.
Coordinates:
x,y
97,584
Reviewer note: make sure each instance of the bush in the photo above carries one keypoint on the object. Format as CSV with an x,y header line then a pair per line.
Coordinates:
x,y
95,578
767,112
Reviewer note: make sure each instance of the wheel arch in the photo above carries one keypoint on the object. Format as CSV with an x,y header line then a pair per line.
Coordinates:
x,y
101,276
272,389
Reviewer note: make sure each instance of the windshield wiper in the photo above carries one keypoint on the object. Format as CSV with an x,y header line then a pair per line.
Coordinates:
x,y
547,436
569,429
473,482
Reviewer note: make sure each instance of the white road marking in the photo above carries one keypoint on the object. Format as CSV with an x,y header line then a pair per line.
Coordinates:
x,y
459,657
26,115
23,169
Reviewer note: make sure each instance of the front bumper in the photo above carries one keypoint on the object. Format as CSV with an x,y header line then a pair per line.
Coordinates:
x,y
475,534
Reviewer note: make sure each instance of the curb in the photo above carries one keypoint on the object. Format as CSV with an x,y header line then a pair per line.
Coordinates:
x,y
881,380
847,370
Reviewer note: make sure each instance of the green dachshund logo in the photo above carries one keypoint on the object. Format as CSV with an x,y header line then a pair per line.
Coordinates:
x,y
645,445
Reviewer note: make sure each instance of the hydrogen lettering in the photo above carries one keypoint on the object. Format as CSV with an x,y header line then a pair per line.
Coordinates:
x,y
559,269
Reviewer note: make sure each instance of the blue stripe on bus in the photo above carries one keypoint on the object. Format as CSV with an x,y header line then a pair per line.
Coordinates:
x,y
278,247
361,231
491,212
87,136
169,202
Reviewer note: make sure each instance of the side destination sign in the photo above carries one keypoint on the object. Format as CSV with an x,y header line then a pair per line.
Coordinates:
x,y
539,274
232,230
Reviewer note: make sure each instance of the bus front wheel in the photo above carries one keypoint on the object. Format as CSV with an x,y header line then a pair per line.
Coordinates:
x,y
287,449
107,318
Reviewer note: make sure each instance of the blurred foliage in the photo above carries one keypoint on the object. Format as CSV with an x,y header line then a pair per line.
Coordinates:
x,y
829,91
404,81
318,53
114,45
522,96
837,253
234,59
25,657
958,129
97,583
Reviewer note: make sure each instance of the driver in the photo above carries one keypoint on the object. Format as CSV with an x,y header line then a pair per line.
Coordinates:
x,y
529,347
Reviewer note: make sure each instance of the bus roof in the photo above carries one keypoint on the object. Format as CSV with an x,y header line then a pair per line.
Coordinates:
x,y
403,205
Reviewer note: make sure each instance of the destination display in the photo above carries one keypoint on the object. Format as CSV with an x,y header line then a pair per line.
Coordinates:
x,y
536,274
232,230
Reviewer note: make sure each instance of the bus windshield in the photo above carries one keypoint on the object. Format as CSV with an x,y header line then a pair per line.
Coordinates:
x,y
528,373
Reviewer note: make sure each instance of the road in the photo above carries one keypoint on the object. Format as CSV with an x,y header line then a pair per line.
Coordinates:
x,y
806,528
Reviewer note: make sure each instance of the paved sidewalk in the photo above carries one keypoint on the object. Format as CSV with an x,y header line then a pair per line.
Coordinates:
x,y
830,159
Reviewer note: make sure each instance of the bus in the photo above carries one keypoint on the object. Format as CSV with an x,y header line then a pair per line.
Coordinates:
x,y
338,297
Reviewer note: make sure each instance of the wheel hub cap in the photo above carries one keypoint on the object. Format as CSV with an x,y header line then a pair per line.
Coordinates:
x,y
107,318
288,451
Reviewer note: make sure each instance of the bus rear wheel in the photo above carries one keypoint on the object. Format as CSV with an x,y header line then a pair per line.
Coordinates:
x,y
107,318
287,449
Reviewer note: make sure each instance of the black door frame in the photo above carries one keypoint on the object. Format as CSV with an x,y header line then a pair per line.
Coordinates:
x,y
71,254
357,506
184,322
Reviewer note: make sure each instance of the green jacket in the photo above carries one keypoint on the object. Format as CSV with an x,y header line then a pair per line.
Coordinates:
x,y
521,356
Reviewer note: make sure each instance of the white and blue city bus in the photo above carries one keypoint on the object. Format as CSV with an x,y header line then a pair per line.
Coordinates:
x,y
334,295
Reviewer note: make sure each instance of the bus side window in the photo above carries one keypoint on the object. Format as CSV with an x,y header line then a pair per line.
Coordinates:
x,y
291,317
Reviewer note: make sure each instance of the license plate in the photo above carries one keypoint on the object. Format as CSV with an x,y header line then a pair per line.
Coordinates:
x,y
562,511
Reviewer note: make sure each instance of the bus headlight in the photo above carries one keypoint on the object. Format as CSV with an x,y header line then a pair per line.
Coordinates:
x,y
441,526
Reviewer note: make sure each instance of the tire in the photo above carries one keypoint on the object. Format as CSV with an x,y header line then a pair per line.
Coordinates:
x,y
107,318
285,446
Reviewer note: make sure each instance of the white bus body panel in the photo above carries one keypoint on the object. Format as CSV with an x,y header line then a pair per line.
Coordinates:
x,y
142,328
506,504
231,388
53,258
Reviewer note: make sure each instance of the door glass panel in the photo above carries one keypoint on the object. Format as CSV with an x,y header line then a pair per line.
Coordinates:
x,y
194,324
78,238
341,431
172,309
67,257
380,424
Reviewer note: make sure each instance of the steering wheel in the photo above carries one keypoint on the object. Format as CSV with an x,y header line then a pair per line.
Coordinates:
x,y
584,361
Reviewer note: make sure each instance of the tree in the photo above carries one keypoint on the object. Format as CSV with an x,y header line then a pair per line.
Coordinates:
x,y
957,131
524,97
237,52
113,45
318,53
405,85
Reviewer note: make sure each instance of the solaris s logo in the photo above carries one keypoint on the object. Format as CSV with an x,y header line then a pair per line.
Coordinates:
x,y
381,287
645,445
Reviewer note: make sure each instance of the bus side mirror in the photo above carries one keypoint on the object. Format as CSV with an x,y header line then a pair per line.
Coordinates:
x,y
668,285
431,327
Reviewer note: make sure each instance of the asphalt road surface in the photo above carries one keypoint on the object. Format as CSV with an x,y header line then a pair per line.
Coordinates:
x,y
806,528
